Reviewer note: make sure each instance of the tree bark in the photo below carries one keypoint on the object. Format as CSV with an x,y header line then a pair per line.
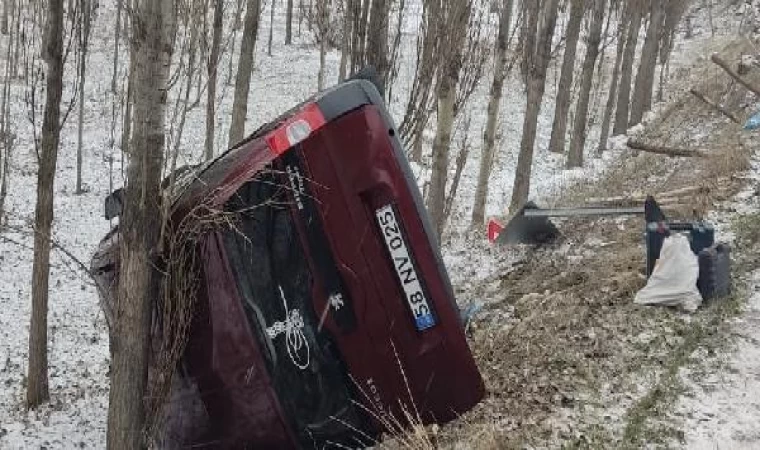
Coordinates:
x,y
6,13
243,78
84,39
37,387
665,150
271,28
418,106
537,63
345,49
377,38
644,86
626,69
213,64
494,104
561,110
612,95
578,140
289,23
453,33
140,226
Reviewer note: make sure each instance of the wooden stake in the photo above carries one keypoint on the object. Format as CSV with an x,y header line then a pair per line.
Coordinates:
x,y
714,105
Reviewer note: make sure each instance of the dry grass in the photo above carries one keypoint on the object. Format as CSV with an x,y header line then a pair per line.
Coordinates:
x,y
575,363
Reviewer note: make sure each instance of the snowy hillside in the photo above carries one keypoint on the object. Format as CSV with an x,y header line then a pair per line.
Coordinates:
x,y
78,341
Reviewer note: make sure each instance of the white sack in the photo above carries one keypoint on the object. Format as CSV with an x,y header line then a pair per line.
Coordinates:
x,y
674,279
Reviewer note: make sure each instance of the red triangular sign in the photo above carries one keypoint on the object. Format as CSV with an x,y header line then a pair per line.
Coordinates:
x,y
494,228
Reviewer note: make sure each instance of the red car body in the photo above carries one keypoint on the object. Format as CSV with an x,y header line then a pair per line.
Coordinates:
x,y
327,314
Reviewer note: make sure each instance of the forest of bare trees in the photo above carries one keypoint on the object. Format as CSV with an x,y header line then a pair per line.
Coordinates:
x,y
171,57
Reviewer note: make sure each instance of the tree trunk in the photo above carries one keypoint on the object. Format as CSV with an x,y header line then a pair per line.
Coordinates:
x,y
289,23
612,95
561,110
37,387
452,31
626,70
271,28
345,47
377,38
116,41
644,86
84,38
578,140
359,56
417,108
6,13
140,225
243,78
538,62
494,103
213,64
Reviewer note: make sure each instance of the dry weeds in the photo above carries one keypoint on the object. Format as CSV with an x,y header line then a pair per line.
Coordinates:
x,y
575,363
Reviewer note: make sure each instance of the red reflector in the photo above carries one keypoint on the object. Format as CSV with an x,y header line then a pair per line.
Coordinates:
x,y
494,229
296,129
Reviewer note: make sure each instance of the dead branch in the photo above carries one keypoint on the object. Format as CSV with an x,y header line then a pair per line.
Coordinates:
x,y
724,65
661,197
714,105
664,150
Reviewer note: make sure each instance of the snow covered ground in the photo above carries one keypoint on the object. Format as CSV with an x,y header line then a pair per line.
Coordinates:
x,y
722,410
76,414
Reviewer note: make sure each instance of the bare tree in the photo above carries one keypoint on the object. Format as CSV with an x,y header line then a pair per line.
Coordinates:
x,y
377,38
644,86
271,27
213,64
6,14
452,33
52,52
626,69
243,78
289,23
139,226
345,45
562,108
418,107
6,133
612,95
494,103
322,35
537,44
578,140
84,40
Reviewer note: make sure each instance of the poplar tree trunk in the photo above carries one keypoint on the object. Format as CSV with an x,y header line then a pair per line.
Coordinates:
x,y
578,140
453,33
345,46
561,110
271,28
243,78
84,38
37,376
377,38
140,227
642,93
289,23
626,69
537,62
494,103
213,64
612,95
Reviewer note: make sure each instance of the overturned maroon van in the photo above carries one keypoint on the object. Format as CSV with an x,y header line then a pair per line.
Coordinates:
x,y
327,312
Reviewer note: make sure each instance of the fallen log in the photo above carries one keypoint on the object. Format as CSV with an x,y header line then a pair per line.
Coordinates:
x,y
664,150
724,65
714,105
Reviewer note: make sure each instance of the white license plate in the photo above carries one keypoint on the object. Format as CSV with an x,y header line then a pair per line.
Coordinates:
x,y
402,262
